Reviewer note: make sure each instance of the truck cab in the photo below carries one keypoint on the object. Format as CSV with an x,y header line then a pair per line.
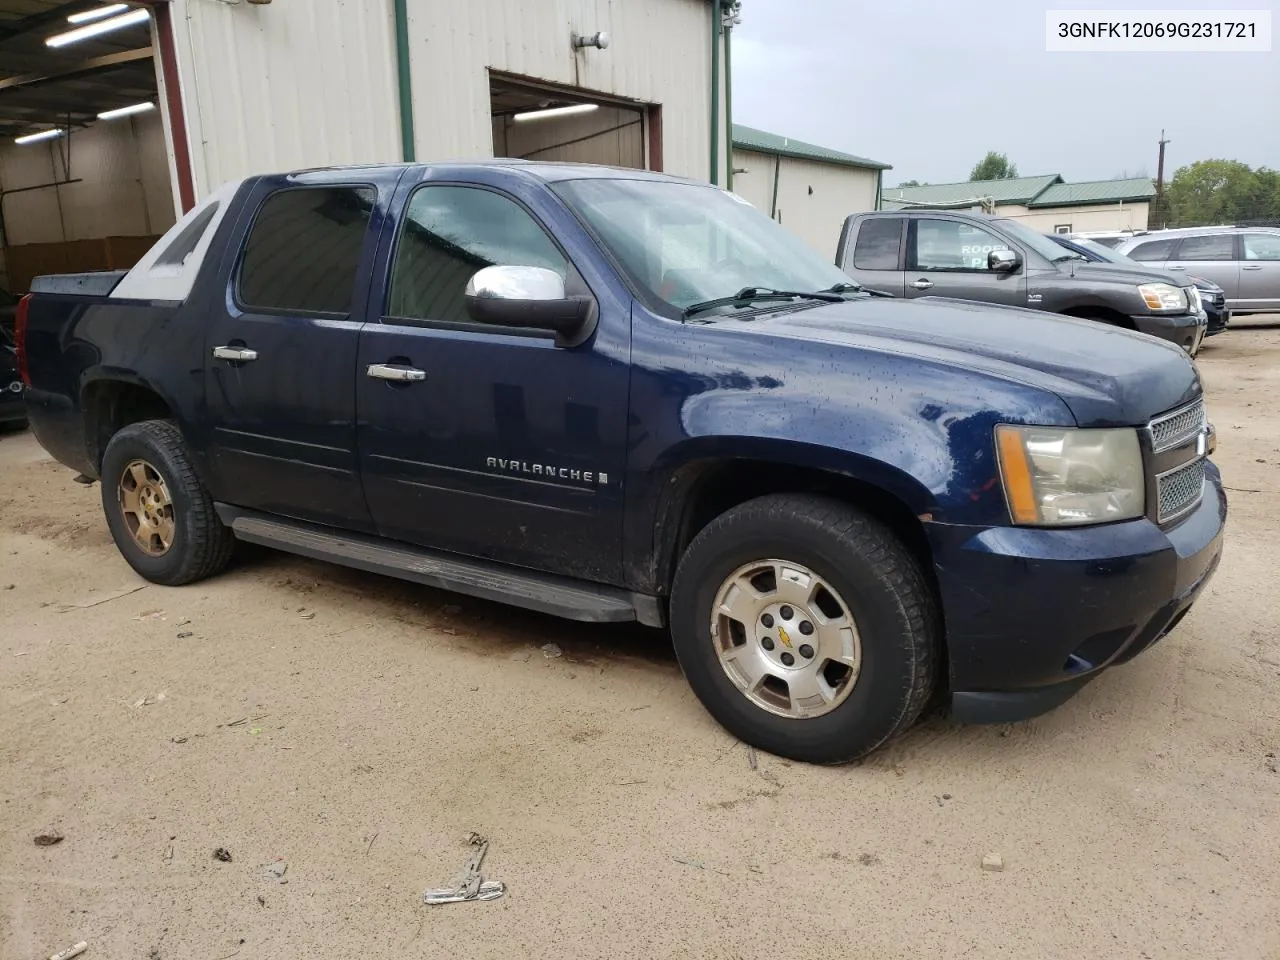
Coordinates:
x,y
991,259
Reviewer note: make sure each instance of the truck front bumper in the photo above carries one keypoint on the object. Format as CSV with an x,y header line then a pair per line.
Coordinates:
x,y
1033,614
1187,330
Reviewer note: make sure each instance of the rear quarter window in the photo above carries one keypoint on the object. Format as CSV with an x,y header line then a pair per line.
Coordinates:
x,y
879,244
1152,250
304,248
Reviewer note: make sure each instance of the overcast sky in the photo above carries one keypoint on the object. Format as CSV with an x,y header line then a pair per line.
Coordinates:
x,y
930,86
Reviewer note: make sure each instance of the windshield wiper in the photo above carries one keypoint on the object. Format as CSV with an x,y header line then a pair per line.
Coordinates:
x,y
749,295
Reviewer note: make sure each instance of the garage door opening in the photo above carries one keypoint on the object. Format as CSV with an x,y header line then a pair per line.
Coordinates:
x,y
84,166
537,121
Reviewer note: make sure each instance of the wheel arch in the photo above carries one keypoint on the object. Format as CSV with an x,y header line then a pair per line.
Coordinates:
x,y
1101,312
111,401
707,483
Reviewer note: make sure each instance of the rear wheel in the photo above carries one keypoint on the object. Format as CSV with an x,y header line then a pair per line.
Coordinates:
x,y
805,627
160,515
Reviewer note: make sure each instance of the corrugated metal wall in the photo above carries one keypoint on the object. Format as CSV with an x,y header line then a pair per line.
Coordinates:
x,y
124,188
288,85
813,198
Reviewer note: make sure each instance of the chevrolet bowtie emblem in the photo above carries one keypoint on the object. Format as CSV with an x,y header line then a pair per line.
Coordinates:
x,y
782,635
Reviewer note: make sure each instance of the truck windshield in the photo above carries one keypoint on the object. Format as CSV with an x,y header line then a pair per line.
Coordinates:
x,y
685,244
1036,241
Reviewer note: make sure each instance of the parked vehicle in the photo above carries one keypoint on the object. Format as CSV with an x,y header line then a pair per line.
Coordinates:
x,y
1244,261
1105,238
1213,300
613,395
974,256
13,410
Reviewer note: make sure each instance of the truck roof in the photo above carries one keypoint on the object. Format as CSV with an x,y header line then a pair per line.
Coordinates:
x,y
547,171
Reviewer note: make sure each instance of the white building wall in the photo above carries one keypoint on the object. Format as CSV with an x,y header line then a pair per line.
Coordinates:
x,y
813,198
285,85
1109,216
123,189
288,85
609,135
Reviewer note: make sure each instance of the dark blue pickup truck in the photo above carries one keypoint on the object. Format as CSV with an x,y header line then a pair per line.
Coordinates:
x,y
613,395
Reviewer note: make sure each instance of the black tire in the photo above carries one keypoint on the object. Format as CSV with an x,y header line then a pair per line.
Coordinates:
x,y
201,545
883,587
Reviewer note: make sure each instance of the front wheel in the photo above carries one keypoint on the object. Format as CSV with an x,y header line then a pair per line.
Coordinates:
x,y
160,515
805,627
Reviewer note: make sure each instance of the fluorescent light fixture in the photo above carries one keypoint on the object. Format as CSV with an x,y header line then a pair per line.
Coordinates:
x,y
126,111
556,112
37,137
97,13
97,29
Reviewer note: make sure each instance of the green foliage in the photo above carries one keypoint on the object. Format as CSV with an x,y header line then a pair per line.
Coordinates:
x,y
1222,191
994,166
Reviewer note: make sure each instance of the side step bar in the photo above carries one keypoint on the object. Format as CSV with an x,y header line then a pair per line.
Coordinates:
x,y
546,593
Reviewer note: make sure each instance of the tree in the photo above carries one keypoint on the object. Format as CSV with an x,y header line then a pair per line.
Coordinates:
x,y
994,166
911,183
1222,191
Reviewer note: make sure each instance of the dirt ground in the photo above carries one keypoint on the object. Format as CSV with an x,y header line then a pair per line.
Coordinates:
x,y
357,729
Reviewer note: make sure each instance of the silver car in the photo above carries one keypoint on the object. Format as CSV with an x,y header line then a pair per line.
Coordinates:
x,y
1244,261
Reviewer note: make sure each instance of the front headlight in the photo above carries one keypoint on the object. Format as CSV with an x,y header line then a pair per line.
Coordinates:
x,y
1193,296
1064,476
1164,297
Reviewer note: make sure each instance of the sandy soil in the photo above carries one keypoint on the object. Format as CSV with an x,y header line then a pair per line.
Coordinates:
x,y
358,728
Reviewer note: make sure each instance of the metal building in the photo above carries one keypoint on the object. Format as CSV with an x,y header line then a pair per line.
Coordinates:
x,y
807,188
225,88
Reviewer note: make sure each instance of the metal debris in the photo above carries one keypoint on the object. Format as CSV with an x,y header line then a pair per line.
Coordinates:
x,y
469,884
183,634
48,839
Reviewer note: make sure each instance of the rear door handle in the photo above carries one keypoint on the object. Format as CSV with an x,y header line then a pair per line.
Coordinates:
x,y
236,354
387,371
1252,267
1175,268
920,284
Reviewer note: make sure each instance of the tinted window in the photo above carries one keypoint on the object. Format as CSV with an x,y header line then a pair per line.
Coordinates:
x,y
1219,246
304,248
451,232
951,245
1261,246
1152,250
879,243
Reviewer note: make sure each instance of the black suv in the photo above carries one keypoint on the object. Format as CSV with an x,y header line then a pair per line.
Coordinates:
x,y
974,256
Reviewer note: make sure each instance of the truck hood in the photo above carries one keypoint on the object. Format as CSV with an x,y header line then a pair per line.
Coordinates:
x,y
1105,375
1119,273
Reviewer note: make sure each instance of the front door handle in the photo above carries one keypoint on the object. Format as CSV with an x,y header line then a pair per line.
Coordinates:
x,y
236,354
1252,267
1175,268
386,371
920,284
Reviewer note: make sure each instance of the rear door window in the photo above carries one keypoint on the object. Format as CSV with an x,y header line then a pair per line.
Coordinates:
x,y
304,248
1219,246
1152,250
879,245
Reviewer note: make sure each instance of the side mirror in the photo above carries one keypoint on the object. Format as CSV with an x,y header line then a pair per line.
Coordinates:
x,y
535,297
1003,261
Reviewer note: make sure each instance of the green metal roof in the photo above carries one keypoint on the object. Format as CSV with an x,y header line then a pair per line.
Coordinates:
x,y
1096,191
749,138
1013,190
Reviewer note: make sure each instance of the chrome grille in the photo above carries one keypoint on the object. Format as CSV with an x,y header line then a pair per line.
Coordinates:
x,y
1179,490
1178,427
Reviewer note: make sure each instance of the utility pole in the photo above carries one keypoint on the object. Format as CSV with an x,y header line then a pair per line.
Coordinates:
x,y
1161,214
